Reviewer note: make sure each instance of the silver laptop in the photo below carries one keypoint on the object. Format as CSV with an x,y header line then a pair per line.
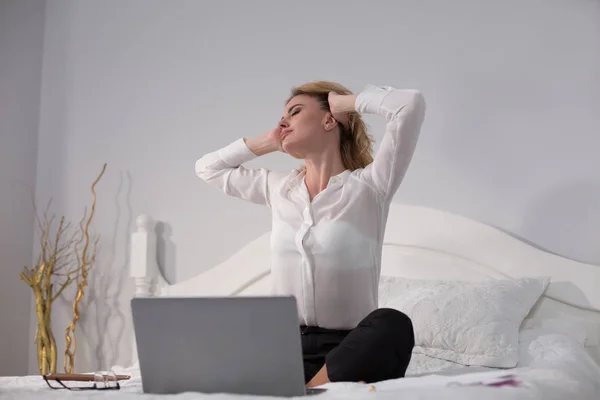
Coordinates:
x,y
242,345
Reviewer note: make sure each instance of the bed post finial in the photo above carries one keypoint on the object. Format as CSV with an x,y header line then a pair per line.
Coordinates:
x,y
145,223
144,268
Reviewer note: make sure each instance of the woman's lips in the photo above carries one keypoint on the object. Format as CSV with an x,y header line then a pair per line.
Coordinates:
x,y
285,133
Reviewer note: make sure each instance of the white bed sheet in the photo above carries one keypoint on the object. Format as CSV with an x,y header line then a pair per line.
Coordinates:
x,y
420,365
551,366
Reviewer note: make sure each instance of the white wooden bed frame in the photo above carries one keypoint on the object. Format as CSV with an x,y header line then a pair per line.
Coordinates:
x,y
420,243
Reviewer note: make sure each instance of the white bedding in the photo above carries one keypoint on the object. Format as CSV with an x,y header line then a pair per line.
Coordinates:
x,y
551,366
421,364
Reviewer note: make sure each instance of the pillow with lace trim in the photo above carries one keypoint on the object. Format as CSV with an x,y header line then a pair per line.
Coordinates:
x,y
471,323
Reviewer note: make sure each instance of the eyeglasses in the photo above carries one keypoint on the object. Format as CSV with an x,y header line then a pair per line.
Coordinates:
x,y
103,380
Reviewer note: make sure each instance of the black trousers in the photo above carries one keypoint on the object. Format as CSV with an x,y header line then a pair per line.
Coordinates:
x,y
379,348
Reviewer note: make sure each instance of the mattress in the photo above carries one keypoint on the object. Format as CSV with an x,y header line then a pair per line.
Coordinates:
x,y
551,366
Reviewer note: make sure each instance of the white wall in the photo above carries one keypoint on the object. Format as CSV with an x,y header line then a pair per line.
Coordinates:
x,y
510,138
21,42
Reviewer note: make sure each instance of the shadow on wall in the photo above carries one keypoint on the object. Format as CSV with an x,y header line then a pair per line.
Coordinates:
x,y
566,219
103,322
165,251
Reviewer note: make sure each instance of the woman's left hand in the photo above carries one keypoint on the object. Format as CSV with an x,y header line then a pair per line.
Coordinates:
x,y
340,105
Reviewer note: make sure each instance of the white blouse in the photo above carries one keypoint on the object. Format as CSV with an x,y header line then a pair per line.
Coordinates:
x,y
327,253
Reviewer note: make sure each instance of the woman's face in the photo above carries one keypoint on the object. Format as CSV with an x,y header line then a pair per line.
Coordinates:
x,y
304,126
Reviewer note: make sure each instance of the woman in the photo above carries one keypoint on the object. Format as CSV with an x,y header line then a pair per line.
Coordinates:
x,y
329,219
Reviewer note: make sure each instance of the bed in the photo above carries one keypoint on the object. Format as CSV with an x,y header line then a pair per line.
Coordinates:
x,y
494,316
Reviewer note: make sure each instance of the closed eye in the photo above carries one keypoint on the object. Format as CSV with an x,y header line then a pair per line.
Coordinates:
x,y
295,109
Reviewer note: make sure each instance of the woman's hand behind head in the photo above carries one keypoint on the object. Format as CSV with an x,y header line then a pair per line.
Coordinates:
x,y
340,105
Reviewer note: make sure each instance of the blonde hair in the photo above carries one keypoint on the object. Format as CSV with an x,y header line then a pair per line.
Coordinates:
x,y
356,145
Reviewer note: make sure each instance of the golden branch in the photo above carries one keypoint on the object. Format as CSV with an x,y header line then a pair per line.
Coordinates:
x,y
62,287
54,271
84,263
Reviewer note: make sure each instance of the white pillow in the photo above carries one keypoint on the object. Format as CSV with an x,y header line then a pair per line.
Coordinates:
x,y
471,323
583,331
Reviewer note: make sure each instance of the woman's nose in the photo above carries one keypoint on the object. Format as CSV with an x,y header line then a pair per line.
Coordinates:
x,y
283,124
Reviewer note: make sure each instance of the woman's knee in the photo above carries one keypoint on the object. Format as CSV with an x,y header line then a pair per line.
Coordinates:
x,y
389,316
394,322
379,348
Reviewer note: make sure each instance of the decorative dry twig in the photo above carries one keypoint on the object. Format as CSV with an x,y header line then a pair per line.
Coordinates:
x,y
84,263
56,268
48,283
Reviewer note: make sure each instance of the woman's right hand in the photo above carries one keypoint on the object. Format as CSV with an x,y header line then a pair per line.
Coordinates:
x,y
275,138
266,143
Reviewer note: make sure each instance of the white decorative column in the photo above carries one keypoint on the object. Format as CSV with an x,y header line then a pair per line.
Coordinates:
x,y
144,268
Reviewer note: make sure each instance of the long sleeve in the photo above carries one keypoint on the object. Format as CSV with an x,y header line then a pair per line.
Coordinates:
x,y
404,111
223,169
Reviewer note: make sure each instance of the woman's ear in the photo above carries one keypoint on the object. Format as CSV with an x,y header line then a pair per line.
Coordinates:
x,y
330,122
